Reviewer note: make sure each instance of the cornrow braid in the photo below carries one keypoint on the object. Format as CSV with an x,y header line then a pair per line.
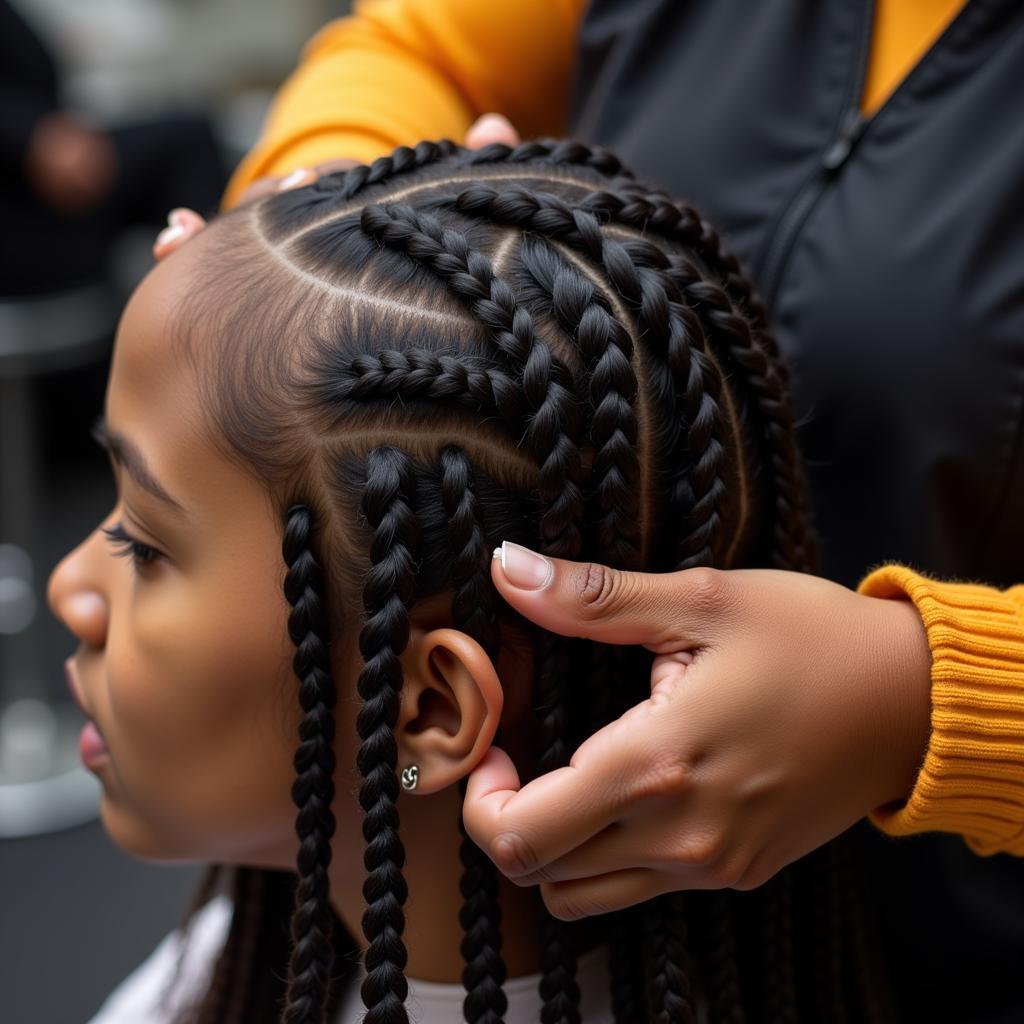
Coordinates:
x,y
420,373
698,487
607,349
473,613
569,152
403,160
312,955
733,312
387,504
554,421
300,207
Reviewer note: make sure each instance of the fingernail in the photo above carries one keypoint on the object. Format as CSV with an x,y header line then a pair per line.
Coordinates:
x,y
176,218
494,123
523,568
293,179
169,235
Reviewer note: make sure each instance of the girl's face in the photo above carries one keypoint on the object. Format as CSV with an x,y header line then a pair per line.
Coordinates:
x,y
184,660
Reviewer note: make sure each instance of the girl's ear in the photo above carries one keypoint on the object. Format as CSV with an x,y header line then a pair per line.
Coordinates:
x,y
451,706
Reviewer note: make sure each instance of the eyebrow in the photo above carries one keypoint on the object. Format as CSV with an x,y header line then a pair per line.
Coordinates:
x,y
126,454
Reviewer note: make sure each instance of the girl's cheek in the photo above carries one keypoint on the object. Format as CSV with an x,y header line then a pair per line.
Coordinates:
x,y
195,685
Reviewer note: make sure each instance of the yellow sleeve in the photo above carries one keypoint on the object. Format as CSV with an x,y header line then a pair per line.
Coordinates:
x,y
972,779
398,71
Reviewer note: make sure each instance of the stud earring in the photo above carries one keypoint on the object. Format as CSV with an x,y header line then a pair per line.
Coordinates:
x,y
410,776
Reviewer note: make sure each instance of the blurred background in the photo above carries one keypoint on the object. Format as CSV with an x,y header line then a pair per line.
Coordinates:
x,y
111,113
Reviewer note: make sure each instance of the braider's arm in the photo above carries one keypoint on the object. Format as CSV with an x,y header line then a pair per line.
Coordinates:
x,y
398,71
972,779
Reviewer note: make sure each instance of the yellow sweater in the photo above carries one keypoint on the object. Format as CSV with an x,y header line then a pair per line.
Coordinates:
x,y
398,71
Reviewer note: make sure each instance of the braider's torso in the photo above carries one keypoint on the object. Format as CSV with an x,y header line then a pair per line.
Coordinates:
x,y
891,254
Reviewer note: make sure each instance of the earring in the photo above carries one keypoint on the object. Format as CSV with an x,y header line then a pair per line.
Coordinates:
x,y
410,776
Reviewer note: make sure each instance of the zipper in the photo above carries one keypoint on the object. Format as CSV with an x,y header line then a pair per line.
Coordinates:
x,y
779,245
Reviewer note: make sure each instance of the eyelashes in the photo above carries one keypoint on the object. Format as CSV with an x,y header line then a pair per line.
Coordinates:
x,y
127,546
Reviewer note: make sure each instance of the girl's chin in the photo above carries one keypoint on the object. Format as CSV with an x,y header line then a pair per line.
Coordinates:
x,y
132,836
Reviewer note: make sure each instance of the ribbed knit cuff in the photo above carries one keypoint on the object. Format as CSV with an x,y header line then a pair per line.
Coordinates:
x,y
972,780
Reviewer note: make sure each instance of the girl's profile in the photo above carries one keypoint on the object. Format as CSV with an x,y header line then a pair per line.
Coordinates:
x,y
324,414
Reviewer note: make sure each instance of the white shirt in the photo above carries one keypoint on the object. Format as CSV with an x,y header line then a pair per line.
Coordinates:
x,y
135,1000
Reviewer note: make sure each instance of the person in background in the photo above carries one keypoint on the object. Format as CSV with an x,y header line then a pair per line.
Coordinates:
x,y
68,187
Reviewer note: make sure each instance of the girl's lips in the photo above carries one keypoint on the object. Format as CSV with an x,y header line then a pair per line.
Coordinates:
x,y
91,747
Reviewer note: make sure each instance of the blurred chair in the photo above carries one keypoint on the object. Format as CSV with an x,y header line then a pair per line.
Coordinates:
x,y
58,332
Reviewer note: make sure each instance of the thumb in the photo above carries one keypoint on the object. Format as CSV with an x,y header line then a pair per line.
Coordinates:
x,y
665,612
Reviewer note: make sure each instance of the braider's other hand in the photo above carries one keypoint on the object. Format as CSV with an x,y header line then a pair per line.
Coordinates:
x,y
783,709
183,224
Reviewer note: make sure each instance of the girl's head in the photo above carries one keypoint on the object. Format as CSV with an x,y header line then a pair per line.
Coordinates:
x,y
324,413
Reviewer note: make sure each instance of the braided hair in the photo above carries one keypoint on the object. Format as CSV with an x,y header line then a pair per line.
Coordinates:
x,y
443,350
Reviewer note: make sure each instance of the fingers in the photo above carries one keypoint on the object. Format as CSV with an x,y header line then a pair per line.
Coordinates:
x,y
522,830
665,612
489,128
182,224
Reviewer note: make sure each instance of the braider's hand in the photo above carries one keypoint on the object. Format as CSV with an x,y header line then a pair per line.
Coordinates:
x,y
183,224
783,709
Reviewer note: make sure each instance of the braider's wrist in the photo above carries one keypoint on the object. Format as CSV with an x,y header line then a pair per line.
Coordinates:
x,y
972,779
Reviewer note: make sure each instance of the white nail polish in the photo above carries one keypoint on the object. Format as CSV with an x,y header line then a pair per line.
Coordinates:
x,y
169,235
293,179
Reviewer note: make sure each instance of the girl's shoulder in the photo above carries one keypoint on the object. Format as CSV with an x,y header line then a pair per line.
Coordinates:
x,y
136,1000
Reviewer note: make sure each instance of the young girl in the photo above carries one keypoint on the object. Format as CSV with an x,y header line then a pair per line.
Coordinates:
x,y
323,414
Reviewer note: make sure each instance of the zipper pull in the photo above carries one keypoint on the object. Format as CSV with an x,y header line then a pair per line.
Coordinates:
x,y
852,129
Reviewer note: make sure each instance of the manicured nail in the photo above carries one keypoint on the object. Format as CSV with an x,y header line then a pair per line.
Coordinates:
x,y
494,123
295,178
525,569
169,235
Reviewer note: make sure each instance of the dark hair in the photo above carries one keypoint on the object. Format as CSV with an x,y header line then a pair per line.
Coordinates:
x,y
447,349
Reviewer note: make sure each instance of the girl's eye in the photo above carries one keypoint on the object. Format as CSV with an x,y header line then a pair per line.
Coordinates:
x,y
126,546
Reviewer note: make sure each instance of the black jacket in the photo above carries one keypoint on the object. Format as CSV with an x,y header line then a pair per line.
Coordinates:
x,y
891,255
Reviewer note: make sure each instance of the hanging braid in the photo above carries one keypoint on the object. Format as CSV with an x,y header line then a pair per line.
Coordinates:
x,y
626,967
725,993
668,977
473,613
550,434
387,504
778,995
313,791
697,491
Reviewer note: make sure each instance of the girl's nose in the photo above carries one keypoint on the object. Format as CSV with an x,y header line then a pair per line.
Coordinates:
x,y
76,597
